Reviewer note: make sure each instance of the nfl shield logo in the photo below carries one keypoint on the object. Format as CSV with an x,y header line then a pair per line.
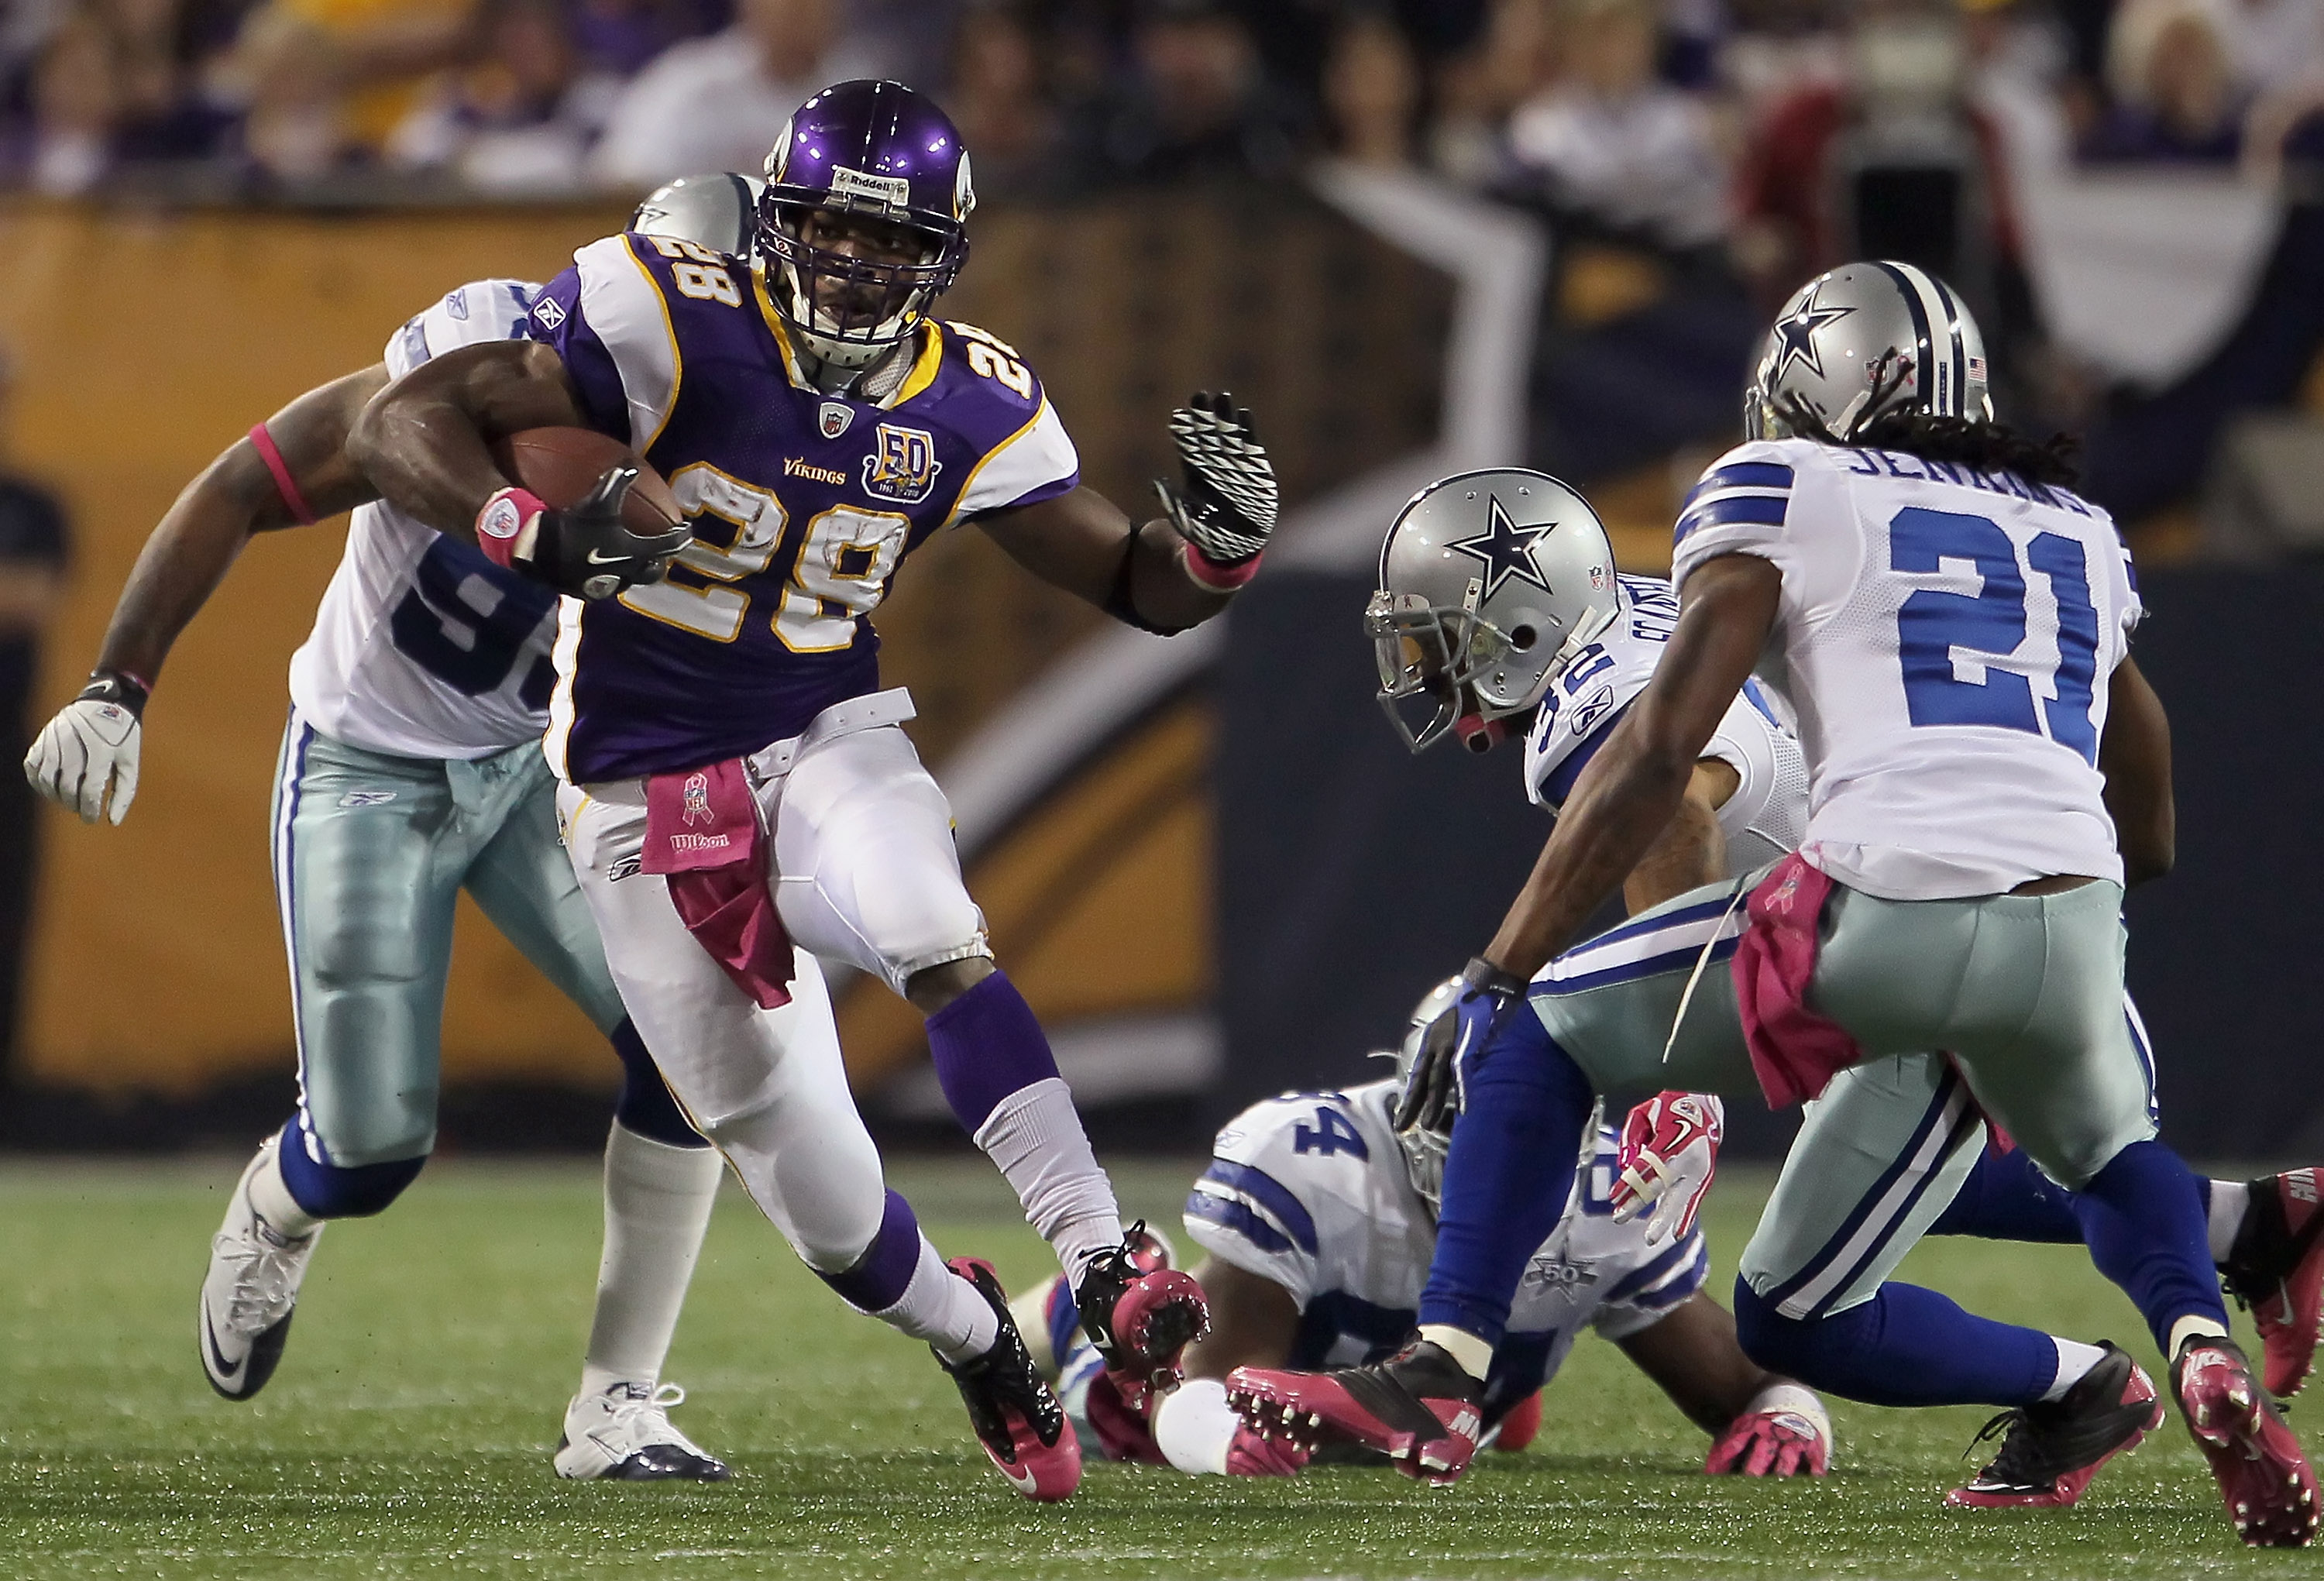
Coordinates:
x,y
834,417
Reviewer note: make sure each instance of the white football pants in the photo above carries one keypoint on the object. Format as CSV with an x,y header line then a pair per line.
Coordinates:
x,y
865,871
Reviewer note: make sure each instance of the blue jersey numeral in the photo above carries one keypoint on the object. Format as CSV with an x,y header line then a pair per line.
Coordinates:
x,y
468,628
1931,627
1332,1133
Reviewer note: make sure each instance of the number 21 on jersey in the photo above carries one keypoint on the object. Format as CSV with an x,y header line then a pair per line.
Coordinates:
x,y
1973,658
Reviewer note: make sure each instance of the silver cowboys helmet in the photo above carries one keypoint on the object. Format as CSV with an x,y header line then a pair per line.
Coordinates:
x,y
1864,339
719,211
1489,583
1427,1089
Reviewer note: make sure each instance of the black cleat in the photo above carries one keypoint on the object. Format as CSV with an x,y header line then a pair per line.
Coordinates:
x,y
2054,1447
1016,1415
1140,1313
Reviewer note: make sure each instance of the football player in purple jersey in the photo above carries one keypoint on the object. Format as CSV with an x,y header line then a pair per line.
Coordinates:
x,y
732,775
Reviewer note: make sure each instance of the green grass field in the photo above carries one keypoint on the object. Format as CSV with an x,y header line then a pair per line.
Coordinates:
x,y
408,1432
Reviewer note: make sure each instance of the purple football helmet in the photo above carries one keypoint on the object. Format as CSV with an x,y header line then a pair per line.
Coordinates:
x,y
881,152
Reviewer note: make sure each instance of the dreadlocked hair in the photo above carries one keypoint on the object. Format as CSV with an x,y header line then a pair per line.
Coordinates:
x,y
1979,443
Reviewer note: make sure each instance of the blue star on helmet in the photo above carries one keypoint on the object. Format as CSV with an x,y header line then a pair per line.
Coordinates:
x,y
1504,548
1795,335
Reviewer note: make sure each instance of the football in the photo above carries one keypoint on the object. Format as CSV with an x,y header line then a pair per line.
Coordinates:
x,y
562,464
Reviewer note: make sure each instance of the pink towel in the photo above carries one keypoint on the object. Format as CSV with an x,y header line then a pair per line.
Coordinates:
x,y
1796,1051
701,831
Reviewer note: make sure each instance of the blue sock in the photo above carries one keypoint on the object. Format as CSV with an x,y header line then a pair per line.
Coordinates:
x,y
1525,1104
2143,1217
2007,1198
1905,1346
331,1191
645,1105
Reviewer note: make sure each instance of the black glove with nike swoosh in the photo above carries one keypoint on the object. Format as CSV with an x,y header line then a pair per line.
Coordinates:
x,y
584,550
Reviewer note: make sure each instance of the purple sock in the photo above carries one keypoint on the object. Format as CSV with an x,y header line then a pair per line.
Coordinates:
x,y
986,1045
876,1281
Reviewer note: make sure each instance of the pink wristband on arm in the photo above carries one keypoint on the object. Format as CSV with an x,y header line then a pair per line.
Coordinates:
x,y
1216,577
500,524
284,484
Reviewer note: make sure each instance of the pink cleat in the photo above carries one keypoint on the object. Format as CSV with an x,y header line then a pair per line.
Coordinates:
x,y
1418,1408
1016,1416
2270,1490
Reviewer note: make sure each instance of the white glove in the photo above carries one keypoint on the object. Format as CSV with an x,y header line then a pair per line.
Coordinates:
x,y
89,747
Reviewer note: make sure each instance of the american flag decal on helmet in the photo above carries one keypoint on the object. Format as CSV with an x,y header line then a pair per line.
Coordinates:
x,y
1976,367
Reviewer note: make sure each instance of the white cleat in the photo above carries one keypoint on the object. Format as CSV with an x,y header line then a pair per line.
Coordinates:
x,y
248,1296
624,1435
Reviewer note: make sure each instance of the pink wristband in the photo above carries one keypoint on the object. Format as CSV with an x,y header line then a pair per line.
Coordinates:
x,y
272,454
1217,578
500,524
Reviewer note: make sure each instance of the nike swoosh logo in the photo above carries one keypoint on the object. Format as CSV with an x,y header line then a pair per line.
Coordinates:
x,y
1024,1482
218,1359
597,559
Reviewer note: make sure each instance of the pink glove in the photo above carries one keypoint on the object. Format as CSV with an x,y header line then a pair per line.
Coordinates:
x,y
1670,1150
1772,1443
1249,1455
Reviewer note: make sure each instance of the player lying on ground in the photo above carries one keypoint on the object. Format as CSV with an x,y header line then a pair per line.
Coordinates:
x,y
411,770
816,425
1319,1214
1967,899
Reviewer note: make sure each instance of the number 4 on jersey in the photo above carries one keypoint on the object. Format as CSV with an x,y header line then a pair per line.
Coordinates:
x,y
1332,1133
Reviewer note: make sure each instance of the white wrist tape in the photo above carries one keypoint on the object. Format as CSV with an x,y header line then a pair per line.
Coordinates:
x,y
1794,1398
1195,1426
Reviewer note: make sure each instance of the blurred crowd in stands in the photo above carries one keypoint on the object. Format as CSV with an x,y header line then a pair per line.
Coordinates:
x,y
1678,119
1693,160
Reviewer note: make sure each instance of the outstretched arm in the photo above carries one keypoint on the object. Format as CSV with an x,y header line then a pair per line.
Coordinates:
x,y
422,440
197,542
2135,756
1692,1356
1628,796
1179,569
1764,1424
86,757
1082,542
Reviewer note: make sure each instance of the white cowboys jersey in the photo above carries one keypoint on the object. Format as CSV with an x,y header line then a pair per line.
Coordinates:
x,y
1309,1191
423,648
1768,815
1945,637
